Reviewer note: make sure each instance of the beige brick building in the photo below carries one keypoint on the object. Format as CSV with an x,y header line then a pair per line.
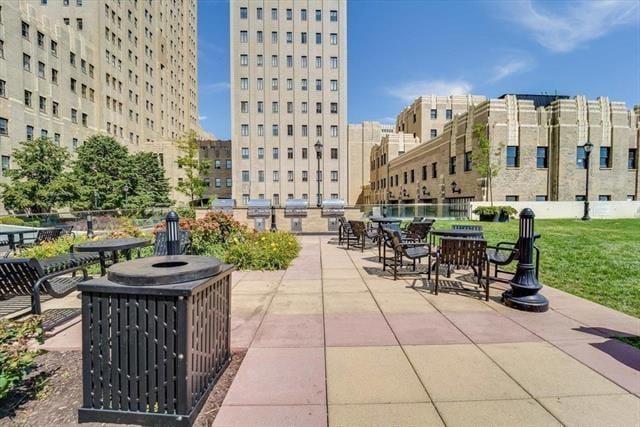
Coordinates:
x,y
288,91
426,116
539,153
72,68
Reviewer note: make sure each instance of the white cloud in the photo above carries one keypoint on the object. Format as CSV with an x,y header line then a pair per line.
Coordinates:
x,y
409,91
577,23
388,120
214,87
201,118
510,66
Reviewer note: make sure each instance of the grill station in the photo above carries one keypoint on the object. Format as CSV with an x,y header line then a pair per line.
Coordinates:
x,y
259,210
296,209
223,205
333,209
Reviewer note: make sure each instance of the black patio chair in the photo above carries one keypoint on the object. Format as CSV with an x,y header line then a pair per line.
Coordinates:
x,y
160,244
361,233
412,250
345,234
419,230
460,253
504,253
30,277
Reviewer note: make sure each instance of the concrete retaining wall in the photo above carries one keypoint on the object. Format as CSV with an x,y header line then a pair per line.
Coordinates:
x,y
559,210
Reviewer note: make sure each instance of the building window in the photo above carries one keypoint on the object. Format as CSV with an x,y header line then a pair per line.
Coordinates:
x,y
581,157
216,164
259,36
274,14
468,161
218,182
6,163
511,198
289,153
513,156
434,171
244,83
413,176
333,16
244,60
318,38
452,165
434,113
54,76
334,176
605,157
289,14
633,158
245,176
303,14
276,176
54,109
303,37
274,130
541,198
334,153
26,62
333,37
319,130
580,198
29,133
244,152
434,133
4,126
334,62
27,98
79,23
43,104
260,153
290,178
25,30
542,161
305,152
243,13
260,176
604,197
1,49
304,130
334,131
244,130
244,106
334,85
305,176
229,182
259,13
448,114
3,88
244,36
228,164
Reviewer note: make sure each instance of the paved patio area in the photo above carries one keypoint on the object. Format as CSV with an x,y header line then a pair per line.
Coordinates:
x,y
333,341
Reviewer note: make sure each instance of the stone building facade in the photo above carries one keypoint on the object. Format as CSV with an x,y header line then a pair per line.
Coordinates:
x,y
538,153
219,182
426,116
288,92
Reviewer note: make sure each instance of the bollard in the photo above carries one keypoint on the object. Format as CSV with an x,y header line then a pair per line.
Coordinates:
x,y
273,219
173,238
523,294
90,232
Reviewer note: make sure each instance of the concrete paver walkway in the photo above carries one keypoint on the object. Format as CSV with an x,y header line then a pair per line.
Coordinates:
x,y
333,341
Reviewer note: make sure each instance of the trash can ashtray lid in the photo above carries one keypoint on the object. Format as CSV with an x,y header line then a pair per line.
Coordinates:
x,y
164,270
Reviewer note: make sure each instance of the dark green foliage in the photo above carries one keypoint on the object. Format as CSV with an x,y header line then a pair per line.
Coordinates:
x,y
39,182
16,356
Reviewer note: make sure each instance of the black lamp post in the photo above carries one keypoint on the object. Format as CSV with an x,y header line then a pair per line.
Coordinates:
x,y
173,240
588,147
318,147
90,233
523,294
273,219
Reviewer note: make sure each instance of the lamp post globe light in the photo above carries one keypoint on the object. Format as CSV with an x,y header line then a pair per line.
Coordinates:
x,y
318,147
588,147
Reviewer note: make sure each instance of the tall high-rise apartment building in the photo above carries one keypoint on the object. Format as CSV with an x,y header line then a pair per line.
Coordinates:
x,y
288,92
72,68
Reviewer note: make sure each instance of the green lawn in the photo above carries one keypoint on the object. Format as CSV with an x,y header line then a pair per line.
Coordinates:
x,y
598,260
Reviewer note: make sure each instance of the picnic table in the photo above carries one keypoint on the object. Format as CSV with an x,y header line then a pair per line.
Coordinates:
x,y
113,246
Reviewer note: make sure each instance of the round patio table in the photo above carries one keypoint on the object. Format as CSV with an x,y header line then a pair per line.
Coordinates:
x,y
113,246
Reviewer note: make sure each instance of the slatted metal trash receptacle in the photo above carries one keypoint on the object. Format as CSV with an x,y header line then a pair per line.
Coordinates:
x,y
155,339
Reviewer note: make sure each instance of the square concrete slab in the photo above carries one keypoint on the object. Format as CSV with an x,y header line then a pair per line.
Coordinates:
x,y
296,304
300,286
490,326
340,273
255,287
425,328
68,337
461,372
343,285
371,375
545,371
243,329
346,330
378,285
403,302
271,416
274,275
303,274
596,411
290,331
616,360
352,303
249,304
279,376
505,413
456,303
384,415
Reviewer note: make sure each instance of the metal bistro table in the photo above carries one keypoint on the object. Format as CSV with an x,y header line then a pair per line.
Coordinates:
x,y
382,221
112,245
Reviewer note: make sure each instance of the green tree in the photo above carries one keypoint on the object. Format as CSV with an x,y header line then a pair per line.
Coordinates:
x,y
194,168
39,182
103,171
483,158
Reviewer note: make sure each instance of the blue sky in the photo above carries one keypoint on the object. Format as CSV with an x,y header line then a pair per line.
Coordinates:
x,y
398,50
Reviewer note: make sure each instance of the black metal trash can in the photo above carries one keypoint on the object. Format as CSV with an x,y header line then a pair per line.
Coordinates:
x,y
155,339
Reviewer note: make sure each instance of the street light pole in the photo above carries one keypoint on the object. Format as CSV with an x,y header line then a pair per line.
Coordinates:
x,y
588,147
318,147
